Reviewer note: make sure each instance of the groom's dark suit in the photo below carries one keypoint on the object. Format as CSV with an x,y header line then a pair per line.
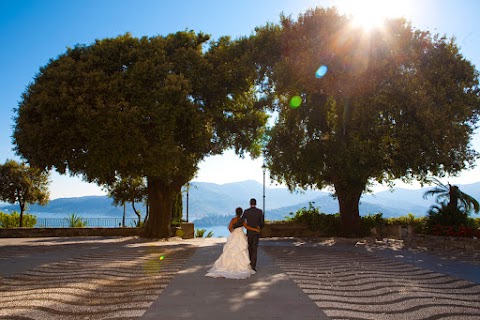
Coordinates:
x,y
254,218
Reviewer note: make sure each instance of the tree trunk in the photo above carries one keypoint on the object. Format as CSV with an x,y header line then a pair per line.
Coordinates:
x,y
22,209
348,200
139,215
124,214
146,215
160,199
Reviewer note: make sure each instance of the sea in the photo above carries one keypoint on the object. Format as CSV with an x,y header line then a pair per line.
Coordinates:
x,y
62,221
218,231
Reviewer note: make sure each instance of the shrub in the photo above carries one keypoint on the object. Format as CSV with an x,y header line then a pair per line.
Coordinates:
x,y
454,231
12,220
373,220
474,223
418,223
329,224
138,224
445,215
199,233
75,221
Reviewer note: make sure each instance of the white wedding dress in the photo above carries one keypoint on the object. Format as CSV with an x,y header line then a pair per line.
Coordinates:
x,y
234,262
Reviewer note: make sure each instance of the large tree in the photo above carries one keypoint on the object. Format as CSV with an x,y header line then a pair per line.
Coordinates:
x,y
149,107
22,184
131,190
394,103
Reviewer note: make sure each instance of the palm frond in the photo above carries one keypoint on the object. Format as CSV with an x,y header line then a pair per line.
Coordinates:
x,y
469,202
437,191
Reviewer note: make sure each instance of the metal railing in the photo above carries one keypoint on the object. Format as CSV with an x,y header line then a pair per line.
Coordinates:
x,y
89,222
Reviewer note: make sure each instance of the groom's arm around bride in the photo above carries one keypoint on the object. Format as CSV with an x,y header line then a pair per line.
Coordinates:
x,y
253,216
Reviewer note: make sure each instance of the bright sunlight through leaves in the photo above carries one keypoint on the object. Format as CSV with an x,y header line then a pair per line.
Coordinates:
x,y
370,14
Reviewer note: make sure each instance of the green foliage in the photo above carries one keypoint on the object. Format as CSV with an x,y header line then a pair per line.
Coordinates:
x,y
138,224
453,196
474,223
199,233
177,211
383,111
452,208
315,220
419,224
372,221
128,190
409,219
445,215
12,220
75,221
22,184
329,224
150,107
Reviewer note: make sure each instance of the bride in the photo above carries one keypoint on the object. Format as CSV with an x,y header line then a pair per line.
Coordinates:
x,y
234,262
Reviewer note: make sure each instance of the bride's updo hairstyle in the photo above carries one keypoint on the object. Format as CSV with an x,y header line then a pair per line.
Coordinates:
x,y
238,211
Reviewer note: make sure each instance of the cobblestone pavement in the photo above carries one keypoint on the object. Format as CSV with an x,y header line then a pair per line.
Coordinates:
x,y
99,279
126,278
357,283
470,256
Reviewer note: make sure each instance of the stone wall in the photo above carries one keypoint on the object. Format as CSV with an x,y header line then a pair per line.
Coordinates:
x,y
390,233
432,243
68,232
187,230
282,229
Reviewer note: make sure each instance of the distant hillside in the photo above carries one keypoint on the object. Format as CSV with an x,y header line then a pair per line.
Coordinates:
x,y
211,200
94,206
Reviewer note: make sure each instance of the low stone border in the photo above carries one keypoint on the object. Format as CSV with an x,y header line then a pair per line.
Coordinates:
x,y
432,243
186,228
68,232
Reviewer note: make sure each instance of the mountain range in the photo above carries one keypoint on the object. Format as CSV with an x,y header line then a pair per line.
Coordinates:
x,y
210,199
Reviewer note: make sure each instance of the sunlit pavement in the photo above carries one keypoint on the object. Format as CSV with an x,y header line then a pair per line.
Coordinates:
x,y
129,278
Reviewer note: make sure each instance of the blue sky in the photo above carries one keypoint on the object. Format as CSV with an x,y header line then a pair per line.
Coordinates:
x,y
32,32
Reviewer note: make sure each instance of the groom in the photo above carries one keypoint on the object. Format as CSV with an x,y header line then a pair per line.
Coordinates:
x,y
254,218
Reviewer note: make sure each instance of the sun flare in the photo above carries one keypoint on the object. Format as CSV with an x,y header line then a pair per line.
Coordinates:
x,y
369,14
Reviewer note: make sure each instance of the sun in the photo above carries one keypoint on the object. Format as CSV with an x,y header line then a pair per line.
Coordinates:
x,y
370,14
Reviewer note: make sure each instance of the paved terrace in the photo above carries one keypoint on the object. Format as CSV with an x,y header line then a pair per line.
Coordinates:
x,y
132,278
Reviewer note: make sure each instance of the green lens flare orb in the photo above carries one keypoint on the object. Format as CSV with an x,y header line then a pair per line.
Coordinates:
x,y
179,233
295,102
162,257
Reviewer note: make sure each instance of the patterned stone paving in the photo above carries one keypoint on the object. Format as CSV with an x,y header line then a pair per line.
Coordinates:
x,y
360,285
463,255
120,279
111,282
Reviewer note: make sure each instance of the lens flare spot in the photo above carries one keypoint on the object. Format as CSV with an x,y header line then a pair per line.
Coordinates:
x,y
321,72
179,233
295,102
161,257
151,267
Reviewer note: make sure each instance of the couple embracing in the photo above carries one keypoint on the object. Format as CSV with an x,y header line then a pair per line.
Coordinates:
x,y
239,257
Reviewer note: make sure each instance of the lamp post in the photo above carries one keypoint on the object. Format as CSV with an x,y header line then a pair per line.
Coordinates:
x,y
264,169
188,188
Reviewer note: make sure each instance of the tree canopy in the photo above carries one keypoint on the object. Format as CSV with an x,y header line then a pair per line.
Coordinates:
x,y
22,184
356,107
125,190
149,107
